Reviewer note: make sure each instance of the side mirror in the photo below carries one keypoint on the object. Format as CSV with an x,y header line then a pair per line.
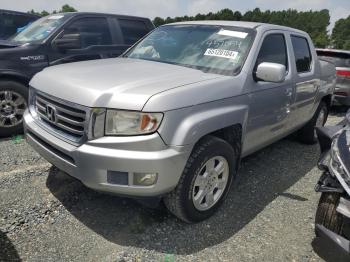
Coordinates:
x,y
67,41
271,72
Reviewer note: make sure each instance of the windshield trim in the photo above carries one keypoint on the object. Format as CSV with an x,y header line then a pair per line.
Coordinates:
x,y
204,69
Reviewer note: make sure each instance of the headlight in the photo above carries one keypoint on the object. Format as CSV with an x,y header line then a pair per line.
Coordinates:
x,y
120,122
335,163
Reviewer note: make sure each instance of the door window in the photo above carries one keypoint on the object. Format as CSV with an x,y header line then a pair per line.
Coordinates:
x,y
302,54
273,50
132,30
92,30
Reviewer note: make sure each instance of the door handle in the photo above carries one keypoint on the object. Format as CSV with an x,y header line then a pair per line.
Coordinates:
x,y
289,92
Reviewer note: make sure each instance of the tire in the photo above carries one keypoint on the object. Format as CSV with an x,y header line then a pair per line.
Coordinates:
x,y
307,134
327,215
182,200
13,102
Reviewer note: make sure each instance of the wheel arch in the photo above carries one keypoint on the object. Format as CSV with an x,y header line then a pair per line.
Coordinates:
x,y
328,100
14,76
188,126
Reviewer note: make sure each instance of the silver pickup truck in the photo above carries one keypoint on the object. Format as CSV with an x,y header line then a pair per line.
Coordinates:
x,y
174,115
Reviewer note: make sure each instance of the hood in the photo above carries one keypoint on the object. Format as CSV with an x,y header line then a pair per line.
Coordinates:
x,y
120,83
7,44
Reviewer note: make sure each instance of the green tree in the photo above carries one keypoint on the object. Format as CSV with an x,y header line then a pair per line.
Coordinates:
x,y
158,21
313,22
67,8
341,34
64,9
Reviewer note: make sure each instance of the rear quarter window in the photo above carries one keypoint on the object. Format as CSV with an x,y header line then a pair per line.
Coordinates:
x,y
132,30
302,54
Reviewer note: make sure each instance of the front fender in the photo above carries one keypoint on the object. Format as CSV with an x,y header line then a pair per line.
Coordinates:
x,y
11,74
188,125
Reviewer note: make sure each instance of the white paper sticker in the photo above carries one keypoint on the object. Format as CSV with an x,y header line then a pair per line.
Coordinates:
x,y
233,33
55,17
221,53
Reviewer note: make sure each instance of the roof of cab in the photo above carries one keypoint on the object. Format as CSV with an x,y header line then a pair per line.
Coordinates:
x,y
252,25
103,14
11,12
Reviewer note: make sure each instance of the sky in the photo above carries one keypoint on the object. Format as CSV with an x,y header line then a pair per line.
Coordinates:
x,y
163,8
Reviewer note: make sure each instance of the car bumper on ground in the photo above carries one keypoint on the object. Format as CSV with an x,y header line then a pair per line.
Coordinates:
x,y
110,164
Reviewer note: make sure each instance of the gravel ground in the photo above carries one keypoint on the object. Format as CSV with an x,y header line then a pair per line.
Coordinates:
x,y
46,215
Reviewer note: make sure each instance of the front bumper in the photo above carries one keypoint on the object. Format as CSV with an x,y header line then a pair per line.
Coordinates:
x,y
91,161
343,243
340,241
329,184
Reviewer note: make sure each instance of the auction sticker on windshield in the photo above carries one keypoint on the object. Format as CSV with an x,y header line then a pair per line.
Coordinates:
x,y
221,53
233,33
55,17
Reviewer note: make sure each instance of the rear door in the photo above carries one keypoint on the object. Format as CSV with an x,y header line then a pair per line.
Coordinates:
x,y
133,30
307,81
127,31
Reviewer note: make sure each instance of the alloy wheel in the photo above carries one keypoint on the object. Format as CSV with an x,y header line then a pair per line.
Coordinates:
x,y
210,183
12,107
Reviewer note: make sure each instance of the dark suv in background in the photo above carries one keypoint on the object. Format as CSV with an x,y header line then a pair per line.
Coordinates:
x,y
57,39
341,59
12,22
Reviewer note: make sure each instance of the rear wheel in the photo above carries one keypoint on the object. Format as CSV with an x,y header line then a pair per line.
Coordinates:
x,y
205,181
13,103
308,134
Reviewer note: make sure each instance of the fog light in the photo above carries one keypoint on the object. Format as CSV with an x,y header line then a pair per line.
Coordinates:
x,y
145,179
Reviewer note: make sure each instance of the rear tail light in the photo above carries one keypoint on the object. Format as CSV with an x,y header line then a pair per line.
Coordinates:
x,y
340,93
343,73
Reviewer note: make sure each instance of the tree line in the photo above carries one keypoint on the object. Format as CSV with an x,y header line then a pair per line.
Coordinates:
x,y
313,22
64,9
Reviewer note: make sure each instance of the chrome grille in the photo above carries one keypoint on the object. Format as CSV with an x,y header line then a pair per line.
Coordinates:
x,y
68,120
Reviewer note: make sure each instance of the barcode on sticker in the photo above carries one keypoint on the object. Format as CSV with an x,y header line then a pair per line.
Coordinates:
x,y
221,53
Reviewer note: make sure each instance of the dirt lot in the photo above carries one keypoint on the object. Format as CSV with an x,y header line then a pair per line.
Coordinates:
x,y
46,215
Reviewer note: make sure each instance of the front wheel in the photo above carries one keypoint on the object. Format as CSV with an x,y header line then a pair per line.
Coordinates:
x,y
13,103
205,181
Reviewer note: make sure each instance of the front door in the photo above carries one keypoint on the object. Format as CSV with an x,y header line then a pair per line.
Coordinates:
x,y
269,105
95,40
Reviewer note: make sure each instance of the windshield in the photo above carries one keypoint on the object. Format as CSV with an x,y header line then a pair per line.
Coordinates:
x,y
40,29
215,49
